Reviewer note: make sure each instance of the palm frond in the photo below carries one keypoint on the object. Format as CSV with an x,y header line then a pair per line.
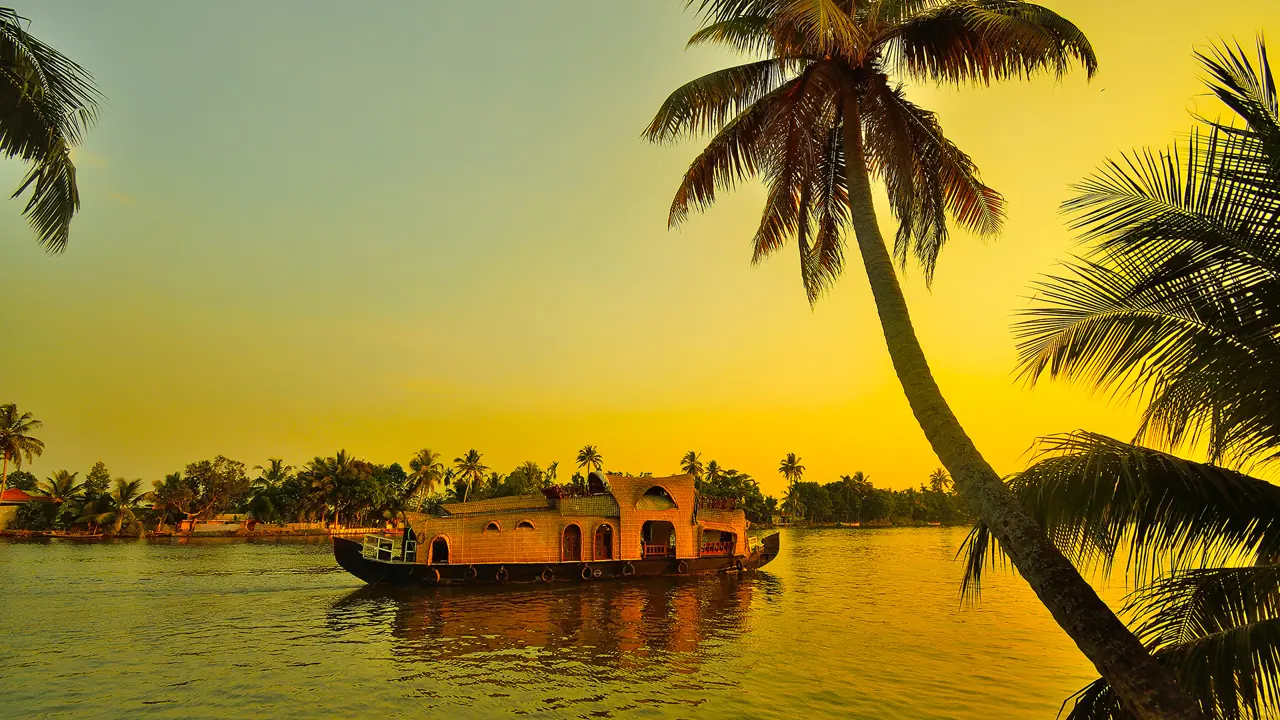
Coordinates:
x,y
986,40
732,156
828,28
926,176
711,101
1097,497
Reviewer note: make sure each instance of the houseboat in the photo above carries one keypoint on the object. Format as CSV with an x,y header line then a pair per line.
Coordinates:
x,y
617,527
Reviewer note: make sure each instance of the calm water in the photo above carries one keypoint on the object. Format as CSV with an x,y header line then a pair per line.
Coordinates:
x,y
844,623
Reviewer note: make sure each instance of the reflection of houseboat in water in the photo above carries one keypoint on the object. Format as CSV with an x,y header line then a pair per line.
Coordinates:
x,y
620,527
660,626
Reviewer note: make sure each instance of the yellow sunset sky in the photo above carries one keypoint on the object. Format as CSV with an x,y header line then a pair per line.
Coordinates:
x,y
312,226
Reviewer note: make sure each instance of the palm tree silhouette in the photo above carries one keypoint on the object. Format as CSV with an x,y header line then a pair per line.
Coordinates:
x,y
815,119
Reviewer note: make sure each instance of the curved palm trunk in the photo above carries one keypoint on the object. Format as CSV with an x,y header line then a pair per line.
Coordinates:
x,y
1146,688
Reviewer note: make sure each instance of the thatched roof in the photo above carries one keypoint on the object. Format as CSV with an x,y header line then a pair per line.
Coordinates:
x,y
496,505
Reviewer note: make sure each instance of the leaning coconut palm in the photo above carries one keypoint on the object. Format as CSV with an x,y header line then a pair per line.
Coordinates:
x,y
16,443
816,118
46,102
1178,305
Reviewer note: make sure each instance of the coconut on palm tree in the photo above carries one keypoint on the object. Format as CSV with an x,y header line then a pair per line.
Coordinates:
x,y
470,471
1176,302
16,442
816,117
46,102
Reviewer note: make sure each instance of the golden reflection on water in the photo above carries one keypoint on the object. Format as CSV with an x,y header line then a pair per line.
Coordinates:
x,y
862,624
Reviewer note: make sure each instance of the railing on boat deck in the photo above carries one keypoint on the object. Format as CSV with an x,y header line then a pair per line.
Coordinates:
x,y
389,549
717,548
651,551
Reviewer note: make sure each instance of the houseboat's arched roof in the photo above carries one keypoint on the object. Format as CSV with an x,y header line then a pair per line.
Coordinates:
x,y
629,491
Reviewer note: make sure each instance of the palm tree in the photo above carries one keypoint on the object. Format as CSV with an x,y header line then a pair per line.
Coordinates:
x,y
792,503
791,469
1178,304
16,442
551,473
939,480
470,471
715,473
122,504
856,487
815,118
425,473
62,487
691,464
264,502
589,459
46,102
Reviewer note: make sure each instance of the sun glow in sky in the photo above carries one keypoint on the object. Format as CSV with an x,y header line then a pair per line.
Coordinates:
x,y
384,226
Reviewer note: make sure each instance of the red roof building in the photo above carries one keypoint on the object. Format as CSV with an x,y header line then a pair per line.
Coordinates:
x,y
15,496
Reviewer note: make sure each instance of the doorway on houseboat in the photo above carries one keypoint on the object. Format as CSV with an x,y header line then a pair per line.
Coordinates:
x,y
439,551
658,539
572,546
604,542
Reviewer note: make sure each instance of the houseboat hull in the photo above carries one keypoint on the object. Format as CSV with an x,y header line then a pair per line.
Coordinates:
x,y
349,554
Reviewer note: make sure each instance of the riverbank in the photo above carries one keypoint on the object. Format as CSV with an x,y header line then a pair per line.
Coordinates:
x,y
258,533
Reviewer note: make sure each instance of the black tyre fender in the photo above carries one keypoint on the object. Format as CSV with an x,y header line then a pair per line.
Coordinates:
x,y
683,567
586,572
501,575
628,570
433,576
548,574
472,573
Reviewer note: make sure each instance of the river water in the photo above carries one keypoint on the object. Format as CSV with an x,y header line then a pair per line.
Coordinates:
x,y
844,623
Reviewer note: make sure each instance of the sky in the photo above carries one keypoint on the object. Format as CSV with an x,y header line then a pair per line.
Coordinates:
x,y
392,225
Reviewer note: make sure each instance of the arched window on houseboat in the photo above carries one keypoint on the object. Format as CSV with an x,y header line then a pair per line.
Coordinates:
x,y
493,527
604,542
571,549
439,551
656,498
524,525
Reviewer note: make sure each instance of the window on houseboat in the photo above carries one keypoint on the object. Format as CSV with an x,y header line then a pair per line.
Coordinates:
x,y
572,543
604,542
492,527
656,498
524,525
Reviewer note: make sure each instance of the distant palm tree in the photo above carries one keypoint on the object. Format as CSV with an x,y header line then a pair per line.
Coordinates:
x,y
62,487
327,479
46,101
791,468
551,472
792,503
122,504
16,442
815,114
714,472
425,473
264,502
691,464
470,471
589,459
939,480
856,487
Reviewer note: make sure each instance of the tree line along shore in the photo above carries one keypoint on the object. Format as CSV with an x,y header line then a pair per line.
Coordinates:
x,y
340,492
